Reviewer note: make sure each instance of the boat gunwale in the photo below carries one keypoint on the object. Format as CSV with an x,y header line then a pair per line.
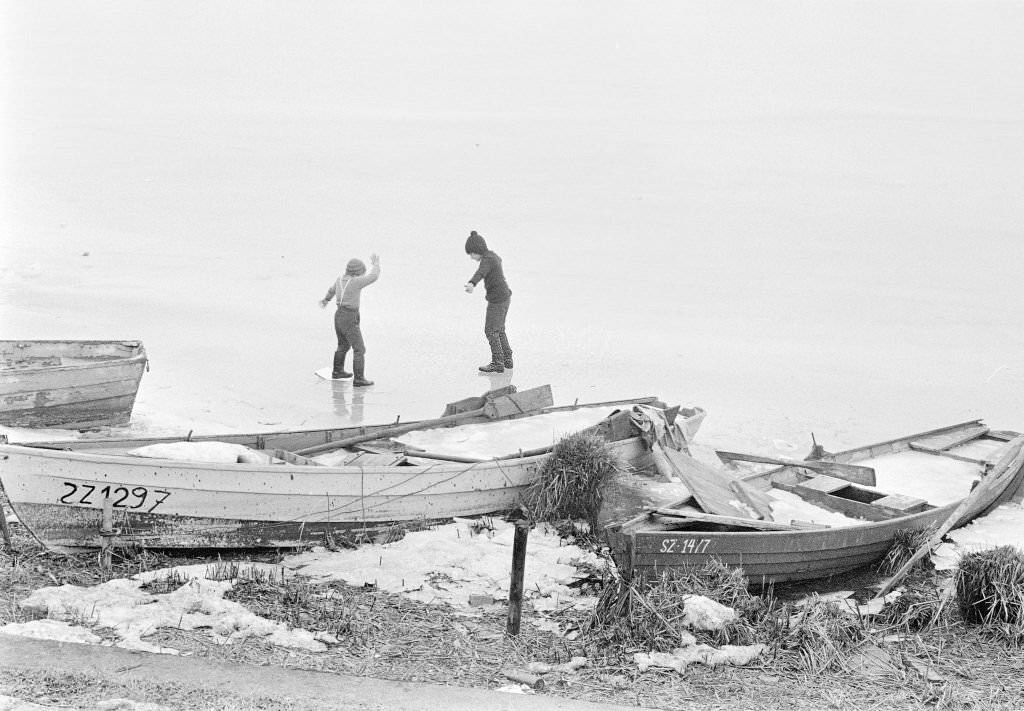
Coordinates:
x,y
906,439
255,467
85,443
136,356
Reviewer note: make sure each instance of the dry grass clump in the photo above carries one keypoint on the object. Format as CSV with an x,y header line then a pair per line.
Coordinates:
x,y
648,613
905,544
335,610
571,481
990,590
919,606
822,633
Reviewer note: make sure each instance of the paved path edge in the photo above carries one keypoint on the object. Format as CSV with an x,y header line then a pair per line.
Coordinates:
x,y
296,685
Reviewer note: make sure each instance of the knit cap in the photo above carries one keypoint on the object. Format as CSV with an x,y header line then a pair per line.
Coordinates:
x,y
355,267
475,244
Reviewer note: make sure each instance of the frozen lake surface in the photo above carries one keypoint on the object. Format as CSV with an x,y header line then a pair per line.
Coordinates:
x,y
804,218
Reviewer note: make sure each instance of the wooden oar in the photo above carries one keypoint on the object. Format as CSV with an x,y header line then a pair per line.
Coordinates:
x,y
850,472
495,408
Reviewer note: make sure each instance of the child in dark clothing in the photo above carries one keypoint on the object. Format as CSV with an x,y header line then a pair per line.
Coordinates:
x,y
498,296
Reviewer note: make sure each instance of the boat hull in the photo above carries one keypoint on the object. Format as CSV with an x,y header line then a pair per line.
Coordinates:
x,y
769,557
158,503
69,384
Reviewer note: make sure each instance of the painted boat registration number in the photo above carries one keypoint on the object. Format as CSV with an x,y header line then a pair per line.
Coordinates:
x,y
122,497
684,545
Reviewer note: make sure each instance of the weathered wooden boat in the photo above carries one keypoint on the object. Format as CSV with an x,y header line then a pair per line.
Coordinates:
x,y
69,384
58,489
988,464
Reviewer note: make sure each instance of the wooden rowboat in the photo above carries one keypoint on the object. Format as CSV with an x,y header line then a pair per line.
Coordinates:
x,y
987,465
58,489
69,384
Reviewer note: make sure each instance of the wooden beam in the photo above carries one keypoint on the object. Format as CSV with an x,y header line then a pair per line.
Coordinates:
x,y
498,408
942,442
967,437
850,472
949,455
693,514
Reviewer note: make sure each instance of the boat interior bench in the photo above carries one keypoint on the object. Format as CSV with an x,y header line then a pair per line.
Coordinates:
x,y
283,456
358,459
843,497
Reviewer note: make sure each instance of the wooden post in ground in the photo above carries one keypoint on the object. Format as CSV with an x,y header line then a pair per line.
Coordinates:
x,y
107,531
515,588
5,530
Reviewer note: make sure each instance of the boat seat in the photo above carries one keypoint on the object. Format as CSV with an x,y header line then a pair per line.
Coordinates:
x,y
824,483
899,502
283,456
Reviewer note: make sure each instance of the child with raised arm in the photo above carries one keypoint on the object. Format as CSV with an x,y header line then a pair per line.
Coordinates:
x,y
346,291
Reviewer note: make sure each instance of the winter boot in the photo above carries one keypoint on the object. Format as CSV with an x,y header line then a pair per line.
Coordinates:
x,y
506,349
358,365
338,372
497,364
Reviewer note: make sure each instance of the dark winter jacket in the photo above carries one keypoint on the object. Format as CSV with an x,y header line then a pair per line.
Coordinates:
x,y
490,269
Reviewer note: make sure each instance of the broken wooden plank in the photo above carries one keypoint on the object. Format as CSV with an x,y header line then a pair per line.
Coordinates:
x,y
697,515
647,513
710,487
752,498
851,472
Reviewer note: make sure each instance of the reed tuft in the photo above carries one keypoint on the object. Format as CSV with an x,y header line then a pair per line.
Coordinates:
x,y
905,544
571,480
990,589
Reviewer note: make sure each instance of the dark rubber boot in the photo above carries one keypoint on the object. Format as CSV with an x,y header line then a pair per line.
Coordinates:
x,y
359,365
497,364
506,349
338,372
